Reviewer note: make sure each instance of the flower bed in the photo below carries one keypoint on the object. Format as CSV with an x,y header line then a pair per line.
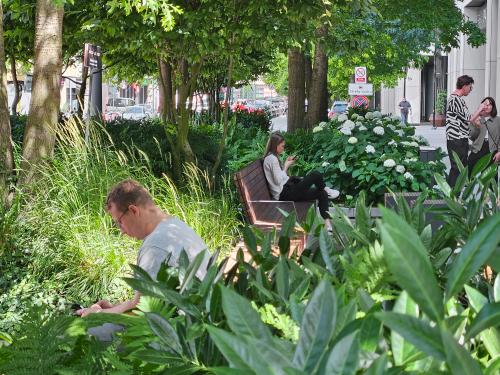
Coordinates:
x,y
374,153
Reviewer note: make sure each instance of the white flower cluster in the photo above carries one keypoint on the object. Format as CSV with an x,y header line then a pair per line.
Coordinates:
x,y
369,115
410,160
400,132
320,127
408,176
395,118
363,128
378,130
347,127
325,164
352,140
400,168
377,114
354,116
342,117
392,142
389,163
370,149
392,127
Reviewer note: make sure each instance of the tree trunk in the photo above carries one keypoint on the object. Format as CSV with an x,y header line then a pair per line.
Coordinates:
x,y
81,93
316,109
226,117
6,156
17,91
40,132
296,89
165,73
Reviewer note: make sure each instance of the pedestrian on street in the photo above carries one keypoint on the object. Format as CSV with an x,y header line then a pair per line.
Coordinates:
x,y
485,134
458,120
405,108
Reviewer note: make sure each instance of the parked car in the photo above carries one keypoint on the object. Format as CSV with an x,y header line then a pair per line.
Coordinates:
x,y
136,112
338,107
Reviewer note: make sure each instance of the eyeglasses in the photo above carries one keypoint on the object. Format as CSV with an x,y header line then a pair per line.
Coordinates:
x,y
118,222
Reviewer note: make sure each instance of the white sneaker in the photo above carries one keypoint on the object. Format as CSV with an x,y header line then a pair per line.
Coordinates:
x,y
332,193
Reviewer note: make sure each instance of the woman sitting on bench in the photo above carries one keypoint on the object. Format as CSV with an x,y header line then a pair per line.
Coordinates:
x,y
291,188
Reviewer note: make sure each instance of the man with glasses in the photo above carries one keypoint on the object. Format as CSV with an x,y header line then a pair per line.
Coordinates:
x,y
163,237
458,119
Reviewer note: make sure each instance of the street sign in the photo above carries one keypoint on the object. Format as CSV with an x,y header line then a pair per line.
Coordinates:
x,y
91,56
360,74
360,101
360,89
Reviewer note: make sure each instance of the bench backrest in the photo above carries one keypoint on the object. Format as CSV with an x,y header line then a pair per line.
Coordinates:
x,y
252,186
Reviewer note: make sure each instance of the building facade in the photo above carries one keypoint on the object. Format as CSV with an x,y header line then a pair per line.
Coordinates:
x,y
441,71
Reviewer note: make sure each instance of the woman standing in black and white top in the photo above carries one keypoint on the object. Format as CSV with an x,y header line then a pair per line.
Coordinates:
x,y
486,134
285,188
458,119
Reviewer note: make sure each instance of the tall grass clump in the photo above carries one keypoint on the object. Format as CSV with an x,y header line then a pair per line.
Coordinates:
x,y
72,239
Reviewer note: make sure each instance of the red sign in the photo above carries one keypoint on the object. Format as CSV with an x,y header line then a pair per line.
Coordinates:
x,y
360,74
360,101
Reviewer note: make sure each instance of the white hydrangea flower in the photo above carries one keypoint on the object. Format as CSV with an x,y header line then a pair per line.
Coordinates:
x,y
370,149
342,117
395,118
325,164
378,130
400,132
408,176
352,140
359,123
392,142
392,127
432,162
369,116
345,131
389,163
400,168
360,117
363,128
317,129
354,116
414,144
322,124
349,124
377,114
405,143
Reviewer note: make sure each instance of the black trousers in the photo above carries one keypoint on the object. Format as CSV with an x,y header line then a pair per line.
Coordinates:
x,y
475,156
461,147
303,190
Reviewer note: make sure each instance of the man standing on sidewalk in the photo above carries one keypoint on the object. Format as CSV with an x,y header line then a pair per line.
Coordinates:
x,y
405,108
458,119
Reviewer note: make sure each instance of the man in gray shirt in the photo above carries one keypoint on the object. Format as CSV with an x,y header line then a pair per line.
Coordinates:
x,y
405,108
134,212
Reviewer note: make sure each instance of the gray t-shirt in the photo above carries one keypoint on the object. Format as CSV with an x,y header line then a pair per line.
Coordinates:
x,y
405,106
171,236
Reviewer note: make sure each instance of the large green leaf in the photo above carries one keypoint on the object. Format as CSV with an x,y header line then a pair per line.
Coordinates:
x,y
283,278
493,367
229,371
418,332
443,185
496,289
326,247
475,253
164,331
402,350
192,269
378,366
242,317
318,324
458,358
489,316
408,260
183,370
343,359
237,352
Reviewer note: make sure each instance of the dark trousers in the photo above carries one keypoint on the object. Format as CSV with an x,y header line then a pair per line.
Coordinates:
x,y
461,148
475,156
303,190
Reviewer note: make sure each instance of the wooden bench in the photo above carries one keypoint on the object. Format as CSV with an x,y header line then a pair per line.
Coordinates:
x,y
259,208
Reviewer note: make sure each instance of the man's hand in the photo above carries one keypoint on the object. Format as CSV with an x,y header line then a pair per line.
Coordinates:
x,y
89,310
496,158
105,304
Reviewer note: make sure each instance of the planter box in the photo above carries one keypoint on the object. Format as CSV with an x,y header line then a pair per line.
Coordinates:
x,y
440,120
411,198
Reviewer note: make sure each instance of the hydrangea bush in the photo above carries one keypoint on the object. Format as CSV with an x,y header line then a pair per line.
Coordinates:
x,y
374,153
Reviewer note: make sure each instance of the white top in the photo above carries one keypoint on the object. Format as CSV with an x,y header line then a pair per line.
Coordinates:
x,y
275,176
486,135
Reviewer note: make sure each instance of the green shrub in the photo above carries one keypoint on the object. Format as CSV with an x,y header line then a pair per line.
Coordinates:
x,y
373,153
252,118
